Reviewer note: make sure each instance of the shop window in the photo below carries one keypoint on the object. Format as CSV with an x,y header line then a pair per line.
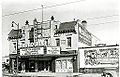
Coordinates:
x,y
64,64
58,64
69,41
58,42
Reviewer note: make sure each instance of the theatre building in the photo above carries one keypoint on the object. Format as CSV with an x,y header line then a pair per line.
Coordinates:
x,y
100,59
48,46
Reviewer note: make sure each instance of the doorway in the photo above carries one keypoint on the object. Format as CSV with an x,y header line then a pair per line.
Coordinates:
x,y
32,66
44,65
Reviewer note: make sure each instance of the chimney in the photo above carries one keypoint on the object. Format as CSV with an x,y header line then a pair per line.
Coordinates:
x,y
84,23
74,19
52,18
26,23
35,21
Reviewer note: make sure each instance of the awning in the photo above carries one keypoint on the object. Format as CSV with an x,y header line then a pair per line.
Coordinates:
x,y
15,34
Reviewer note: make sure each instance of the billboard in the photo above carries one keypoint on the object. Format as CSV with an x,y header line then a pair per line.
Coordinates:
x,y
99,56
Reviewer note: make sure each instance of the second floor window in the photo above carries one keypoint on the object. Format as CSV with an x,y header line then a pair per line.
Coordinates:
x,y
46,42
69,41
55,26
23,31
14,45
58,42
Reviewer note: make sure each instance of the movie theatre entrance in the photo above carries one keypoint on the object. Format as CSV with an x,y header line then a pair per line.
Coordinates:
x,y
35,66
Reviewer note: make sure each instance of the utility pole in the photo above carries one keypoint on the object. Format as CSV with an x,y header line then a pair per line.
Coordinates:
x,y
42,12
42,20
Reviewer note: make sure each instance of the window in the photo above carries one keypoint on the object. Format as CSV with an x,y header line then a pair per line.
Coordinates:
x,y
55,26
58,64
23,42
64,64
23,31
58,42
14,45
46,42
31,35
7,60
69,41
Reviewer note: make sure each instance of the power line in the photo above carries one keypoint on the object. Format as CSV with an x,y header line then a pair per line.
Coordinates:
x,y
63,4
100,24
41,8
95,36
102,17
104,23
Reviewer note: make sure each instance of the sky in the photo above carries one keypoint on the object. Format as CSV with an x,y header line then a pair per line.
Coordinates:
x,y
101,16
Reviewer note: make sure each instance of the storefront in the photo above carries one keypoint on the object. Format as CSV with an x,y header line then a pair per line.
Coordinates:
x,y
64,64
45,63
37,63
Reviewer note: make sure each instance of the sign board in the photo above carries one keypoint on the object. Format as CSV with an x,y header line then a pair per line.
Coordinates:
x,y
22,52
102,57
40,50
32,51
53,50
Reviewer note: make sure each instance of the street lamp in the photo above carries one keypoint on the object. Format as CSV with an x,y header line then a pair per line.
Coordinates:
x,y
17,41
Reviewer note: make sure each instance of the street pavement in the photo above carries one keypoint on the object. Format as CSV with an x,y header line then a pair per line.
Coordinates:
x,y
49,74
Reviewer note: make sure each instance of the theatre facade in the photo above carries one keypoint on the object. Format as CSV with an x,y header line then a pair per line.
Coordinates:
x,y
49,46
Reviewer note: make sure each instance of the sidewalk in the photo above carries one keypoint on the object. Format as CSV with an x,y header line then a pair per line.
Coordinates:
x,y
50,74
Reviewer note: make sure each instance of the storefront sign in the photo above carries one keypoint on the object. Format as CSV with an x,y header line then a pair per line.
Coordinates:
x,y
53,50
32,51
22,51
40,50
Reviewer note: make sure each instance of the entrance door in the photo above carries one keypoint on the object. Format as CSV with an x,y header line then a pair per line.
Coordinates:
x,y
32,66
44,66
41,66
